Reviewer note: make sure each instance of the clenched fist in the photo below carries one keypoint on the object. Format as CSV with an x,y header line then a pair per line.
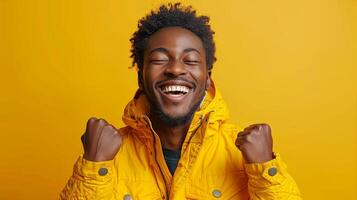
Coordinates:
x,y
101,141
256,143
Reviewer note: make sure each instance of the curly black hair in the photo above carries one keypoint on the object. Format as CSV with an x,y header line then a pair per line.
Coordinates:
x,y
168,16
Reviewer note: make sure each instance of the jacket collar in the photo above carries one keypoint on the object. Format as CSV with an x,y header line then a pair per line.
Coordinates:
x,y
213,110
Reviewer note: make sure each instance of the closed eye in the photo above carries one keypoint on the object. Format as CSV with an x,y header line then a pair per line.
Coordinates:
x,y
191,62
158,62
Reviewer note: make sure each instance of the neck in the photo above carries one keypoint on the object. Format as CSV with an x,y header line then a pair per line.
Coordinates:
x,y
171,137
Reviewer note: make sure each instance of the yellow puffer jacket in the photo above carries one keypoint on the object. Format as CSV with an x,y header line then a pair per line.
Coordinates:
x,y
210,167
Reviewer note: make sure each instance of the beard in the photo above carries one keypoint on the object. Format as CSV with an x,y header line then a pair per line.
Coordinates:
x,y
174,121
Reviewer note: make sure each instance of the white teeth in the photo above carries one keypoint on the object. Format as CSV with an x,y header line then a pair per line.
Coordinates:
x,y
175,88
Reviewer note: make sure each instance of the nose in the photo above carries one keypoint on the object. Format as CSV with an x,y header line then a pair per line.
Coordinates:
x,y
175,68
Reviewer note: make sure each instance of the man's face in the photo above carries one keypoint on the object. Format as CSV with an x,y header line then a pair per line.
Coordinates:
x,y
175,75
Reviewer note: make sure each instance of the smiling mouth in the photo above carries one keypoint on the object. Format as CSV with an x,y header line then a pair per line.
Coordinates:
x,y
175,90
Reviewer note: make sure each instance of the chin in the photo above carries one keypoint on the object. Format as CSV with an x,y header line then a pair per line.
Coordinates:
x,y
171,114
176,120
173,119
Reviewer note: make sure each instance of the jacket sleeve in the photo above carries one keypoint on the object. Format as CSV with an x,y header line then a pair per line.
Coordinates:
x,y
90,180
271,181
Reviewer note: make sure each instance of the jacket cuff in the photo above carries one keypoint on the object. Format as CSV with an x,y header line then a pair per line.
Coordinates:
x,y
265,174
102,171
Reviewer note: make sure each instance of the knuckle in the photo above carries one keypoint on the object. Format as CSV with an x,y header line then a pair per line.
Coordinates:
x,y
266,126
110,125
110,128
91,120
102,121
249,138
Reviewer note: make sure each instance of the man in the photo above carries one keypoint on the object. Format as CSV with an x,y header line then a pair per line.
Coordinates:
x,y
177,143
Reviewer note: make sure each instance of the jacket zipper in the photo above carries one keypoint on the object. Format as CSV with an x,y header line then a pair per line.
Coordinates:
x,y
157,163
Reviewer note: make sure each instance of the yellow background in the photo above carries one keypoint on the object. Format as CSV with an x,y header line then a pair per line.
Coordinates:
x,y
291,64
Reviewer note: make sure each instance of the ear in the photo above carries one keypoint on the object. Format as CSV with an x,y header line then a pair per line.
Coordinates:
x,y
208,80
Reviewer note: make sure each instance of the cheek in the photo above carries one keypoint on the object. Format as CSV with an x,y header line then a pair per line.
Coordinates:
x,y
201,77
149,76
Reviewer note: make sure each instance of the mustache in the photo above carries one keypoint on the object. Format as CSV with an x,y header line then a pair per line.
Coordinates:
x,y
180,79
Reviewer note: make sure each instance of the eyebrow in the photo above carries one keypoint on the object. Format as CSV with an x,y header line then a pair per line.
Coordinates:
x,y
191,49
161,49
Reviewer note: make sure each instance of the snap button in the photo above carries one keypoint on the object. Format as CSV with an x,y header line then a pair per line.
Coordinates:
x,y
128,197
216,193
272,171
103,171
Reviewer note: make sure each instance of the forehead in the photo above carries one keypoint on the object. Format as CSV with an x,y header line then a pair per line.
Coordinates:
x,y
175,38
